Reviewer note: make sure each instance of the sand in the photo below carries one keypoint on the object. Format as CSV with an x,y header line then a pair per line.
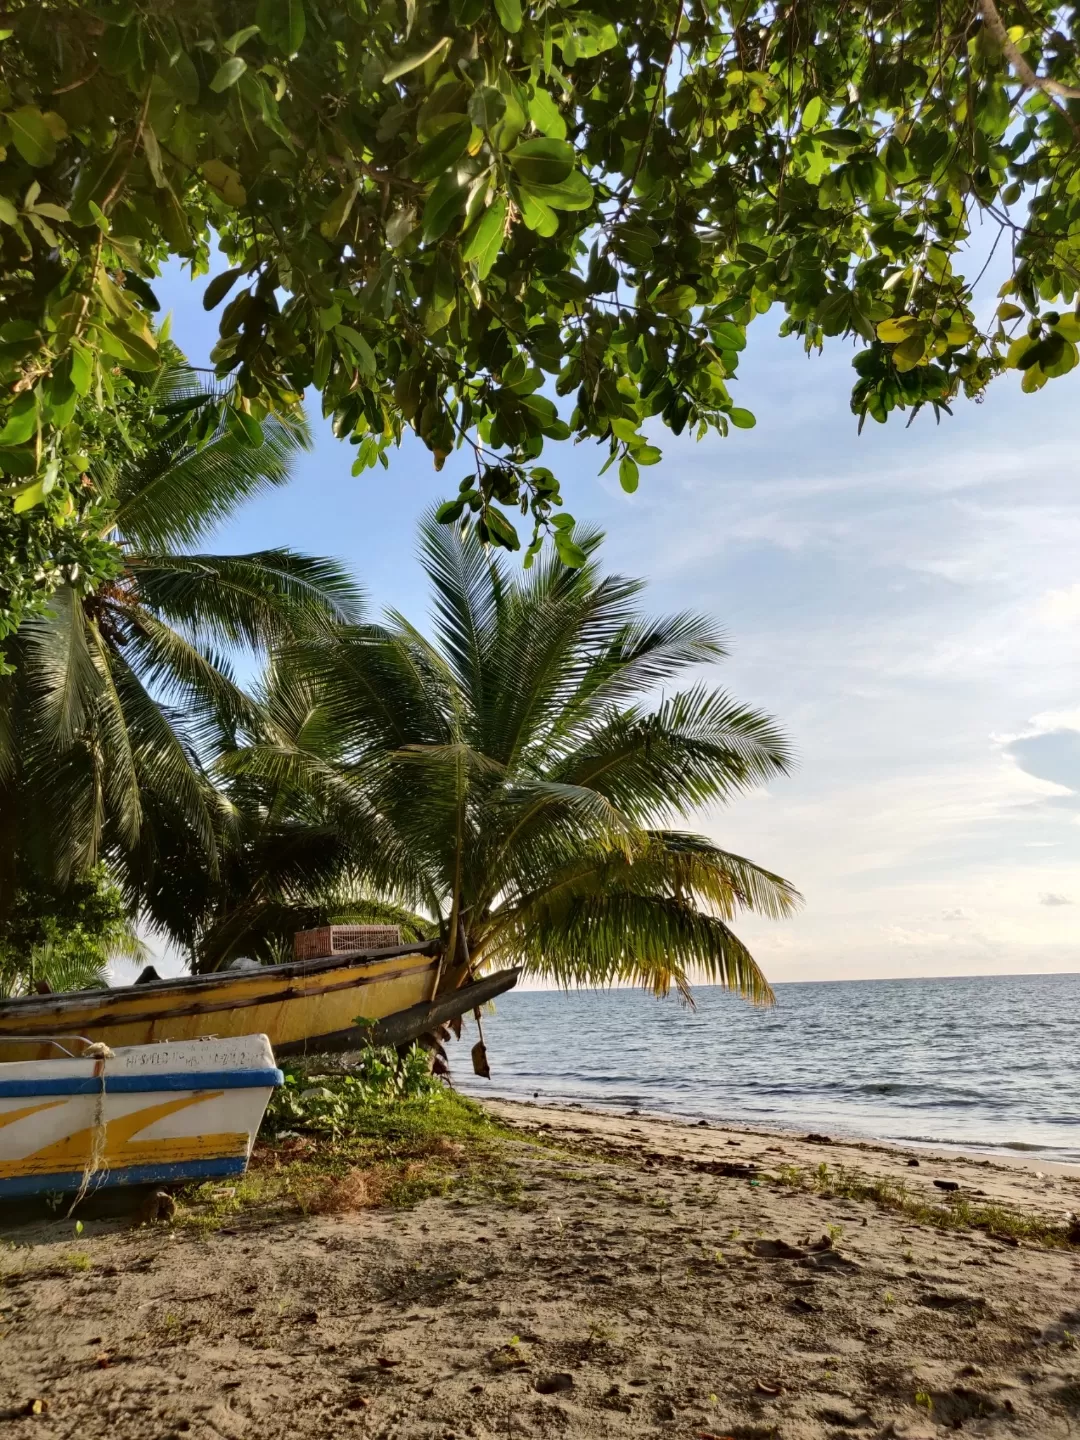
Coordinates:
x,y
625,1286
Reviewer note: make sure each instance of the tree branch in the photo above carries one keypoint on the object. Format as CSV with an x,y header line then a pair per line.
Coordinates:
x,y
1024,73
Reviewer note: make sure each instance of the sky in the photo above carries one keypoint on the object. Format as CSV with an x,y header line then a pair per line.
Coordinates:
x,y
906,602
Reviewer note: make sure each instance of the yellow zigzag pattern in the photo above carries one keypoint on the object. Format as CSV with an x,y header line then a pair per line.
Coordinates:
x,y
122,1151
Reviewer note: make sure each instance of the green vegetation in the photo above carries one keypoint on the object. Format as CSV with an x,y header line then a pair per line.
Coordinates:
x,y
118,690
430,213
384,1150
64,936
354,1102
508,785
955,1212
509,777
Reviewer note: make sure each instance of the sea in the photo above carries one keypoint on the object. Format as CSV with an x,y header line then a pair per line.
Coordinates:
x,y
987,1063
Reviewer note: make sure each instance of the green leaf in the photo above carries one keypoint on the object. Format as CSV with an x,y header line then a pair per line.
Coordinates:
x,y
22,420
812,111
500,529
446,201
839,139
628,475
245,427
27,496
509,13
574,193
365,356
437,155
82,369
743,419
241,37
283,23
537,215
337,212
413,62
449,512
486,239
220,286
225,181
543,161
571,555
31,135
487,106
14,461
727,335
894,331
228,73
676,299
545,115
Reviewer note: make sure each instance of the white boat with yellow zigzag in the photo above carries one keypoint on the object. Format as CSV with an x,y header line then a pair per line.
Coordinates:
x,y
144,1114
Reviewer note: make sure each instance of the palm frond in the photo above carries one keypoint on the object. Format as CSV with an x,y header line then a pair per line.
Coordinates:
x,y
178,492
65,683
262,599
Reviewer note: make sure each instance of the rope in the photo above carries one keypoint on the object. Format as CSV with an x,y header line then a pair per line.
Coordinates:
x,y
99,1053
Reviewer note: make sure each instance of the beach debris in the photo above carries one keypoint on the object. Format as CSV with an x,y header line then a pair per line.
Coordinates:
x,y
37,1406
949,1186
159,1208
732,1169
832,1260
799,1306
848,1419
554,1384
762,1388
913,1163
384,1362
103,1361
1072,1234
776,1250
951,1300
815,1139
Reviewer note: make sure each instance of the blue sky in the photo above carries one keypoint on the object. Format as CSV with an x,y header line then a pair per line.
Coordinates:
x,y
907,602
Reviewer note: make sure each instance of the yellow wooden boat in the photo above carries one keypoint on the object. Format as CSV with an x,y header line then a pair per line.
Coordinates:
x,y
303,1005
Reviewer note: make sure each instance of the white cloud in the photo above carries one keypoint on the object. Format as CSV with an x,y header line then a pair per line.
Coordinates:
x,y
1060,608
1051,898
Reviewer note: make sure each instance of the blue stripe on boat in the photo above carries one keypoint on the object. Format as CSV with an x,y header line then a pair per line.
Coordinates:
x,y
177,1170
139,1084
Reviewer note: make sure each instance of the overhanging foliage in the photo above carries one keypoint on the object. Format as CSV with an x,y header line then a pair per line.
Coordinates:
x,y
435,212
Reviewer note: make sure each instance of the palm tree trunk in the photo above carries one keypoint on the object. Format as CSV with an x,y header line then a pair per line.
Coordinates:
x,y
9,829
457,970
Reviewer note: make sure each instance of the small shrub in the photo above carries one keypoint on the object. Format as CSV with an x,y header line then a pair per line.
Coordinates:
x,y
340,1103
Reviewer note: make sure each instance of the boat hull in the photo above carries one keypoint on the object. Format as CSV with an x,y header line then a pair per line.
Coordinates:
x,y
292,1004
158,1114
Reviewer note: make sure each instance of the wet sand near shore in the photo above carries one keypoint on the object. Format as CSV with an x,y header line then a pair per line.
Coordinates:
x,y
631,1278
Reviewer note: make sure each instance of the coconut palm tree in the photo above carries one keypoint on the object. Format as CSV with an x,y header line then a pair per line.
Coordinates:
x,y
509,776
116,695
305,848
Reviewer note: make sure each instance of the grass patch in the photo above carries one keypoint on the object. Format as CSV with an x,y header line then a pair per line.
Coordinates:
x,y
954,1212
392,1153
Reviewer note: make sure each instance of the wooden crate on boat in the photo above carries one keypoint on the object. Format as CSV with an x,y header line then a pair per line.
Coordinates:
x,y
329,940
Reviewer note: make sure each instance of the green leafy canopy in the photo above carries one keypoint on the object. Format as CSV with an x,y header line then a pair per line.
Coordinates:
x,y
434,213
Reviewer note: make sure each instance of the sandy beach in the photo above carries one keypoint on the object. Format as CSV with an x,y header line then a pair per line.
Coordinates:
x,y
625,1277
